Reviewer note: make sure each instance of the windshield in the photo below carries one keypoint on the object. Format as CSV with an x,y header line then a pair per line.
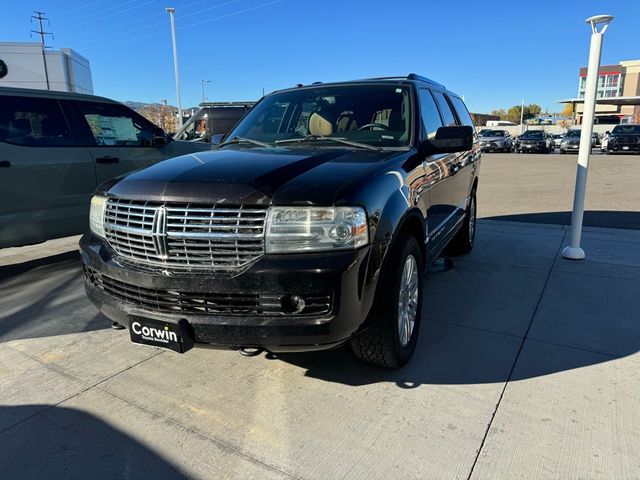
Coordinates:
x,y
376,115
493,133
573,134
626,130
532,134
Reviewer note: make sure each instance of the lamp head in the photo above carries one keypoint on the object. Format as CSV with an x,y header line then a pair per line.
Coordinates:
x,y
170,10
599,20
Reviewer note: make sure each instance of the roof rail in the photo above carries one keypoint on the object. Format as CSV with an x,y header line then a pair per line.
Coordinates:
x,y
415,76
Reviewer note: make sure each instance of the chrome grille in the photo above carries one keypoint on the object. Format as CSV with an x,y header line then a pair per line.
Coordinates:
x,y
180,236
625,140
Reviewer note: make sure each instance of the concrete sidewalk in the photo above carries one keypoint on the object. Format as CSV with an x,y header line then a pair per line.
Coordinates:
x,y
528,366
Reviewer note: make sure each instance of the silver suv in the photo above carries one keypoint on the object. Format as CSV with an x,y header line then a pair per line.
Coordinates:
x,y
496,141
56,147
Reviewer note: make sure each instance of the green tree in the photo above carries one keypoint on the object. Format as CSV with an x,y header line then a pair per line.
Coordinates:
x,y
501,112
530,111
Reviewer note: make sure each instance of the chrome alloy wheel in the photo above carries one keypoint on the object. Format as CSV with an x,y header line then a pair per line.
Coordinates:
x,y
408,300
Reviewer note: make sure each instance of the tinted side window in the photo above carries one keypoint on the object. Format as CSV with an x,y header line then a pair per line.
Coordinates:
x,y
37,122
447,115
463,113
116,125
431,120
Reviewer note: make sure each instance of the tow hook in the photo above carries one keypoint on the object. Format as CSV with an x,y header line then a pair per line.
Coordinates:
x,y
250,351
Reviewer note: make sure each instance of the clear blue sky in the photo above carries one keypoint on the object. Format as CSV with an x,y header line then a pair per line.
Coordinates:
x,y
495,53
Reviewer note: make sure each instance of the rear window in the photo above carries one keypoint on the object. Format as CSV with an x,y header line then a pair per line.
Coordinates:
x,y
447,115
37,122
463,113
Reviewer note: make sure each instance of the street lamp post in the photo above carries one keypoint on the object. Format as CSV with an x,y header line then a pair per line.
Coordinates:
x,y
171,11
574,251
203,82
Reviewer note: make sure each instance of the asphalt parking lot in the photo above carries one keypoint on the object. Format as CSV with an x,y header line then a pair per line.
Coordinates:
x,y
539,188
527,365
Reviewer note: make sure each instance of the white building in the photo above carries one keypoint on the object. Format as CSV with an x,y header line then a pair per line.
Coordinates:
x,y
27,65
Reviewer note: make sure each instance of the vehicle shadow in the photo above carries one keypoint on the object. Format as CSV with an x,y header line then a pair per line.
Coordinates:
x,y
442,358
68,443
592,218
464,349
45,297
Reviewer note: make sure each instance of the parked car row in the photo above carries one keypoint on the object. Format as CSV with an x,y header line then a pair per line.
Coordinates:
x,y
623,138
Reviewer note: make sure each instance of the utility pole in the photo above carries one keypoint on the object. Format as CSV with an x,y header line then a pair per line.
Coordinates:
x,y
40,16
522,118
171,11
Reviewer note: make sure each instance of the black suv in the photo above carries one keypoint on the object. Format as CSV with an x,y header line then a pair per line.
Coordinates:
x,y
535,141
309,227
624,138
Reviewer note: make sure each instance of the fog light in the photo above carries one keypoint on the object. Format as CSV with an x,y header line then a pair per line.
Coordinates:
x,y
292,304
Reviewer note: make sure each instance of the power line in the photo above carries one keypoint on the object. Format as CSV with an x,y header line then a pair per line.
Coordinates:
x,y
67,12
119,42
97,15
163,23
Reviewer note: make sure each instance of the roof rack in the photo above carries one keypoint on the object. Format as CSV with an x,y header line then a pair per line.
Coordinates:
x,y
415,76
411,76
249,103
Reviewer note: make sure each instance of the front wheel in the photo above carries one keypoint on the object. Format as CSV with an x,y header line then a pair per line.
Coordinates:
x,y
394,323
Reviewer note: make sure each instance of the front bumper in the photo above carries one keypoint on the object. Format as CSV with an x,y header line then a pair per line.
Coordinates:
x,y
487,147
231,312
627,147
531,147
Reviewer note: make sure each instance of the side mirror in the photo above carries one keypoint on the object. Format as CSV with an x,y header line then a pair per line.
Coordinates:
x,y
450,140
159,137
216,139
607,132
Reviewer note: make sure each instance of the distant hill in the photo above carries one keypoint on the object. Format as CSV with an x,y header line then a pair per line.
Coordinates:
x,y
138,105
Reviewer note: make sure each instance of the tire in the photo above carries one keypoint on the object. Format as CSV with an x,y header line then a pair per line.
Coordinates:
x,y
463,240
383,342
562,152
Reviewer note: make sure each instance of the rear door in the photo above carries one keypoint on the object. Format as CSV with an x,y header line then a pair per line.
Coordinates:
x,y
120,140
437,170
458,182
46,179
467,159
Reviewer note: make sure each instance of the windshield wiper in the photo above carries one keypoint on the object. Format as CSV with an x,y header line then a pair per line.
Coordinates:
x,y
344,141
243,139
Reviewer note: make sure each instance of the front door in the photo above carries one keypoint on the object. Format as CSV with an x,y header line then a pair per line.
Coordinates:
x,y
46,181
120,140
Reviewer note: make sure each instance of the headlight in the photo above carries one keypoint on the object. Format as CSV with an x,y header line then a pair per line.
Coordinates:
x,y
563,144
96,215
298,229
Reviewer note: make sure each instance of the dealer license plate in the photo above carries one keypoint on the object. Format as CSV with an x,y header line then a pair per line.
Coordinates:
x,y
159,333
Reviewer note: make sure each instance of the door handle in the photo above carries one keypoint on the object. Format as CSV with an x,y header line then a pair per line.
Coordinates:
x,y
107,159
5,163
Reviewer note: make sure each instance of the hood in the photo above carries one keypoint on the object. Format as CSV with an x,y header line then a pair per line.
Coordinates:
x,y
252,176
